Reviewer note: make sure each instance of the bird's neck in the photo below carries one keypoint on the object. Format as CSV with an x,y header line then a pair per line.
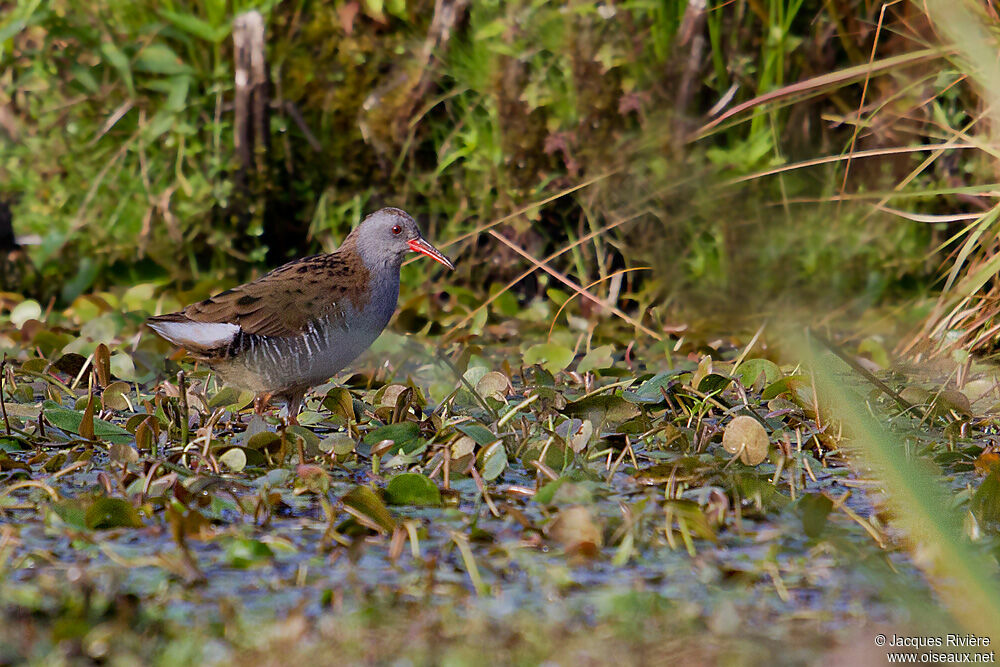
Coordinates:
x,y
374,258
382,279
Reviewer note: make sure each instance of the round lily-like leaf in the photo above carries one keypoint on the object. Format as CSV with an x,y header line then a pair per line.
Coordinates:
x,y
402,435
462,447
952,400
231,398
752,369
262,440
122,453
245,552
493,385
478,432
388,394
576,433
815,509
713,383
602,409
113,396
235,459
338,444
746,437
493,461
29,309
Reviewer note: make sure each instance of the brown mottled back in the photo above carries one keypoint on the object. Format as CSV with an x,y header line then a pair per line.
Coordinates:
x,y
281,303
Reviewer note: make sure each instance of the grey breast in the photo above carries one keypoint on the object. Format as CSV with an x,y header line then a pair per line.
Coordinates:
x,y
324,348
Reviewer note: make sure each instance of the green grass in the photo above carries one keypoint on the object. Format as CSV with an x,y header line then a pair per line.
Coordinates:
x,y
124,158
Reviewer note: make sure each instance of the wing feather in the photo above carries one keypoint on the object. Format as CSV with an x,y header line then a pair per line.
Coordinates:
x,y
281,303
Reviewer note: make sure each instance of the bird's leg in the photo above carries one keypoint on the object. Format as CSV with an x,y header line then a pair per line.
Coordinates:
x,y
294,404
260,403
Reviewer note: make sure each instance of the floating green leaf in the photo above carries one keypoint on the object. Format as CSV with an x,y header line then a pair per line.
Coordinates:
x,y
815,508
72,512
10,444
651,391
493,385
70,421
493,461
551,356
602,409
107,512
599,357
403,434
113,396
243,553
262,440
786,384
713,383
231,398
234,458
362,502
411,488
477,432
751,370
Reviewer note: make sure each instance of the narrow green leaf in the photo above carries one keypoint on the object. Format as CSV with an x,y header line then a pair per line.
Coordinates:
x,y
158,58
196,26
117,59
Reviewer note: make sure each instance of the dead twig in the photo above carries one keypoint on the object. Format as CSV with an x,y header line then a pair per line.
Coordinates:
x,y
865,373
574,286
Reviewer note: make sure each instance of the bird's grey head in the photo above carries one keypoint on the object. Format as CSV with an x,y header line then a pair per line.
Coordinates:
x,y
384,237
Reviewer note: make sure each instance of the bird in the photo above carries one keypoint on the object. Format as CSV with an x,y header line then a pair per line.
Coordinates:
x,y
300,324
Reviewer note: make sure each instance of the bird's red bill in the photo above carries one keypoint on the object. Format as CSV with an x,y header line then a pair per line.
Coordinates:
x,y
425,248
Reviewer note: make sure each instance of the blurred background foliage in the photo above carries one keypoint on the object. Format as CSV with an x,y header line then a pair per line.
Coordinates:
x,y
679,119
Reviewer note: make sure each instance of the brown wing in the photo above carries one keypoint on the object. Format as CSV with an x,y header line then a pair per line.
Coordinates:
x,y
282,302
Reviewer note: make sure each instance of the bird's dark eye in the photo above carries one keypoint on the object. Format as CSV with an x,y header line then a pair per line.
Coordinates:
x,y
396,229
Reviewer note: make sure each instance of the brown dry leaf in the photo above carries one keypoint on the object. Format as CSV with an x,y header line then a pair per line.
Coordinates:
x,y
387,395
987,461
87,424
122,453
102,365
952,400
576,531
113,396
493,385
